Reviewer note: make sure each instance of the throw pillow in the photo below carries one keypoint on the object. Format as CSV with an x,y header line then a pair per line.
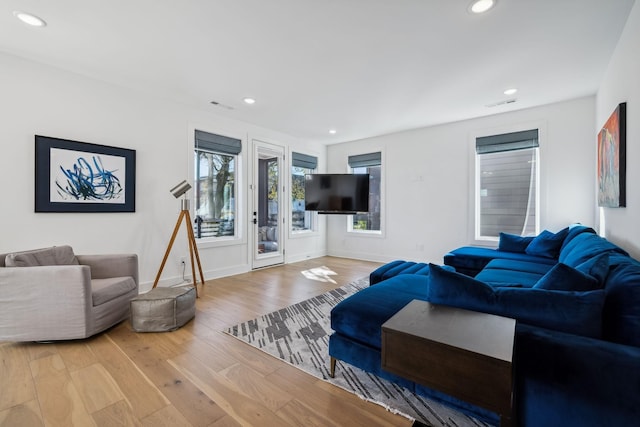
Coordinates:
x,y
572,312
513,242
547,244
57,255
597,266
564,278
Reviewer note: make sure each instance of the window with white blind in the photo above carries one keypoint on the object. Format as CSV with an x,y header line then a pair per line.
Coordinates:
x,y
215,165
507,184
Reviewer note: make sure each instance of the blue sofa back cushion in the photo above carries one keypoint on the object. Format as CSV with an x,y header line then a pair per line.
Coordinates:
x,y
596,267
513,243
547,244
573,312
574,230
584,247
564,278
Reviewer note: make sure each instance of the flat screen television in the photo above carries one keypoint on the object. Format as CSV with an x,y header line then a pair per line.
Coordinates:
x,y
336,193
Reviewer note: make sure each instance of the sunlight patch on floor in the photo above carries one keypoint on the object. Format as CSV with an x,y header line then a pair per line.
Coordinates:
x,y
321,274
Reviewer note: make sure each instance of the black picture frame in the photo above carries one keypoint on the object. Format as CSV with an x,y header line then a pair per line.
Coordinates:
x,y
72,176
612,160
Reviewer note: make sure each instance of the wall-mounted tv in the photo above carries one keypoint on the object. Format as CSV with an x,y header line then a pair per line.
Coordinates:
x,y
336,193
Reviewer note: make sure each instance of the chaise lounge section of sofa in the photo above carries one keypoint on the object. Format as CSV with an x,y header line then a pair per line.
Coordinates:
x,y
576,299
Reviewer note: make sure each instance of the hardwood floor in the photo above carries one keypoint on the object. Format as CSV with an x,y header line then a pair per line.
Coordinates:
x,y
195,376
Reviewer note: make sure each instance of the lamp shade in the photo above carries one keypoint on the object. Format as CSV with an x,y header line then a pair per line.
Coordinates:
x,y
180,189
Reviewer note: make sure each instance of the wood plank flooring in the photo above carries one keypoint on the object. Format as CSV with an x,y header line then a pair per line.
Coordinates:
x,y
195,376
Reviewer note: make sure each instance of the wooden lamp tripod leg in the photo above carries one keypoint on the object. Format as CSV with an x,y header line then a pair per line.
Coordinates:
x,y
193,248
166,254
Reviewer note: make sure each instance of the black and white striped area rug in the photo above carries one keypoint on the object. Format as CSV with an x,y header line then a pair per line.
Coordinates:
x,y
299,335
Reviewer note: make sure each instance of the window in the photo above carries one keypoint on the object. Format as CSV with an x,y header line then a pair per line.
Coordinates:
x,y
507,184
301,165
215,161
368,222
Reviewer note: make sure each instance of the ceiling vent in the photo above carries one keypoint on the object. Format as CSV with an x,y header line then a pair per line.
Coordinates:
x,y
217,104
505,102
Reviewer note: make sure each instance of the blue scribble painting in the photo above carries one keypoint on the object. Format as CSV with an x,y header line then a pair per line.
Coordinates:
x,y
79,177
72,176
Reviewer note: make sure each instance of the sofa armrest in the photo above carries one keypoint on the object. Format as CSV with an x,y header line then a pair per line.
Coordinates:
x,y
111,265
44,302
564,379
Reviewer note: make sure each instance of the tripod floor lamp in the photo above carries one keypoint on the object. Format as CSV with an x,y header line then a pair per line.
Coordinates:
x,y
177,191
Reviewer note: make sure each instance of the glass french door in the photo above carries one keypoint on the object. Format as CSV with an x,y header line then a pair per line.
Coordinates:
x,y
267,213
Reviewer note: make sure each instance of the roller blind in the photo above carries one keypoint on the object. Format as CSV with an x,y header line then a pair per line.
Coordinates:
x,y
507,175
217,143
304,160
365,160
507,142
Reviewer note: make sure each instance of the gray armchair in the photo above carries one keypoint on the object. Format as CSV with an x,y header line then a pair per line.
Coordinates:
x,y
51,294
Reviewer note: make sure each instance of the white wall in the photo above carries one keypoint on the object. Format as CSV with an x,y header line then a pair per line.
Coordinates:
x,y
621,83
428,180
38,99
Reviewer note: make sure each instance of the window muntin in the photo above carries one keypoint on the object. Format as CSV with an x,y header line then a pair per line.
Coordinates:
x,y
507,184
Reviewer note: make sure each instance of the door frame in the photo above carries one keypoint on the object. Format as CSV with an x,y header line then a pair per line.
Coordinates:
x,y
261,150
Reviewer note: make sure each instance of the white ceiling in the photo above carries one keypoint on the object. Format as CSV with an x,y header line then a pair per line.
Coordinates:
x,y
363,67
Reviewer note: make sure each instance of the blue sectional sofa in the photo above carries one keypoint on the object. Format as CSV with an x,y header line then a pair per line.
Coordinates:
x,y
576,299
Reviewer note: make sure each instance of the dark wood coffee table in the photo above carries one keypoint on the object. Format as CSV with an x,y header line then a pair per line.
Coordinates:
x,y
462,353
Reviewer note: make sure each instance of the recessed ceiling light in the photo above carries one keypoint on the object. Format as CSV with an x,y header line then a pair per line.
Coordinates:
x,y
510,91
249,101
29,19
481,6
332,131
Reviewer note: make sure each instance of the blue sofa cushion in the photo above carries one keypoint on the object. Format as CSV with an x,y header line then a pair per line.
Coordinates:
x,y
547,244
574,230
502,277
376,275
361,315
475,258
397,269
597,267
517,265
573,312
564,278
584,247
513,242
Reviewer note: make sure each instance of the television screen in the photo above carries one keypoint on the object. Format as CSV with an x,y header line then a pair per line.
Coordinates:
x,y
336,193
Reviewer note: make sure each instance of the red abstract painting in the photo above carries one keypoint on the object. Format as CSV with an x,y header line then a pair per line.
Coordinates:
x,y
612,160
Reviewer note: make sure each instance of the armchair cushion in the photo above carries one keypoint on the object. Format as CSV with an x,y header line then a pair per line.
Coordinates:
x,y
103,290
56,255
